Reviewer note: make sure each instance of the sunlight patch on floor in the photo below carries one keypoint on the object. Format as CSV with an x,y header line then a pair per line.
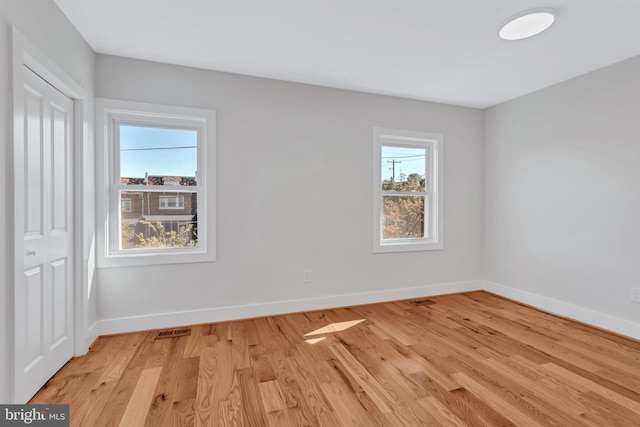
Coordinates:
x,y
335,327
314,340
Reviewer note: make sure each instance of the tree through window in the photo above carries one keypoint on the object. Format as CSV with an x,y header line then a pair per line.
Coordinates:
x,y
407,193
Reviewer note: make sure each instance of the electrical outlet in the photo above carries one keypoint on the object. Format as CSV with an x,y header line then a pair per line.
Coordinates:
x,y
306,274
634,295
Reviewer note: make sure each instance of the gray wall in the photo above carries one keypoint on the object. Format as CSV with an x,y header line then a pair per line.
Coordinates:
x,y
295,192
43,23
562,191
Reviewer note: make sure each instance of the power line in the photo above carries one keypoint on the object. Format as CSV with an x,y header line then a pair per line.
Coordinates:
x,y
158,148
417,156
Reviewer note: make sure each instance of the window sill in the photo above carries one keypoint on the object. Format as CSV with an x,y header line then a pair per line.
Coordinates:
x,y
185,256
413,246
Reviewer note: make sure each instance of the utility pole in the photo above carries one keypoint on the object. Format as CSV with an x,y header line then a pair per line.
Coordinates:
x,y
393,168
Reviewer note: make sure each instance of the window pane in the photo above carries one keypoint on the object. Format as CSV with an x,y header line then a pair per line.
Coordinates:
x,y
158,156
403,169
125,204
404,217
158,220
171,202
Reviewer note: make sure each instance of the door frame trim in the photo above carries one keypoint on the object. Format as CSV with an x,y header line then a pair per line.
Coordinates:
x,y
25,53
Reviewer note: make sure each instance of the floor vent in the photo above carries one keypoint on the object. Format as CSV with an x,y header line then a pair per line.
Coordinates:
x,y
171,333
419,302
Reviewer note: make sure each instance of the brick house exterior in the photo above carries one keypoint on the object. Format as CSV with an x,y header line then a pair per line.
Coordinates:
x,y
173,209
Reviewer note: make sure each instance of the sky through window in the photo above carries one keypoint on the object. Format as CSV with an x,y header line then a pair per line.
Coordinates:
x,y
157,151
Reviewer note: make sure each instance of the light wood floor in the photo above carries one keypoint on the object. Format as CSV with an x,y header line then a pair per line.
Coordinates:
x,y
468,359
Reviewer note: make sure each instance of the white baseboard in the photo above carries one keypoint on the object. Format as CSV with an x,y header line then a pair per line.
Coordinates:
x,y
220,314
92,333
83,342
565,309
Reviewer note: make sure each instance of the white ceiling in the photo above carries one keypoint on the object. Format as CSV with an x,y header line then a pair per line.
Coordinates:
x,y
436,50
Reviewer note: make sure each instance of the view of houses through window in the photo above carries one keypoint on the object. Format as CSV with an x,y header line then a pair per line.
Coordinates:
x,y
158,194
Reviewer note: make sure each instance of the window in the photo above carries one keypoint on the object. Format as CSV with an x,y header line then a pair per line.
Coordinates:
x,y
148,148
407,191
171,202
125,204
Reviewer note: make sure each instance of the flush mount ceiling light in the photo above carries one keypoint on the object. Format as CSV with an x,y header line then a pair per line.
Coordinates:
x,y
527,24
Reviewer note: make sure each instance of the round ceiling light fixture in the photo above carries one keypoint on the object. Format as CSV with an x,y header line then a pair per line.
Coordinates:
x,y
527,24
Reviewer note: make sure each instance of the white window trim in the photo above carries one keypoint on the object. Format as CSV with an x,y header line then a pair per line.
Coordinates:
x,y
109,112
404,138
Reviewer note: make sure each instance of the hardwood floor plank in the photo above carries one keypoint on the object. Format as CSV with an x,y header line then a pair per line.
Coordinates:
x,y
138,407
272,396
230,411
118,359
561,411
433,372
206,404
469,359
167,388
367,382
346,407
201,337
261,363
459,401
497,401
628,380
311,399
121,389
251,333
239,348
158,353
230,414
514,391
590,386
440,412
477,412
564,402
270,339
187,387
603,411
183,413
253,410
